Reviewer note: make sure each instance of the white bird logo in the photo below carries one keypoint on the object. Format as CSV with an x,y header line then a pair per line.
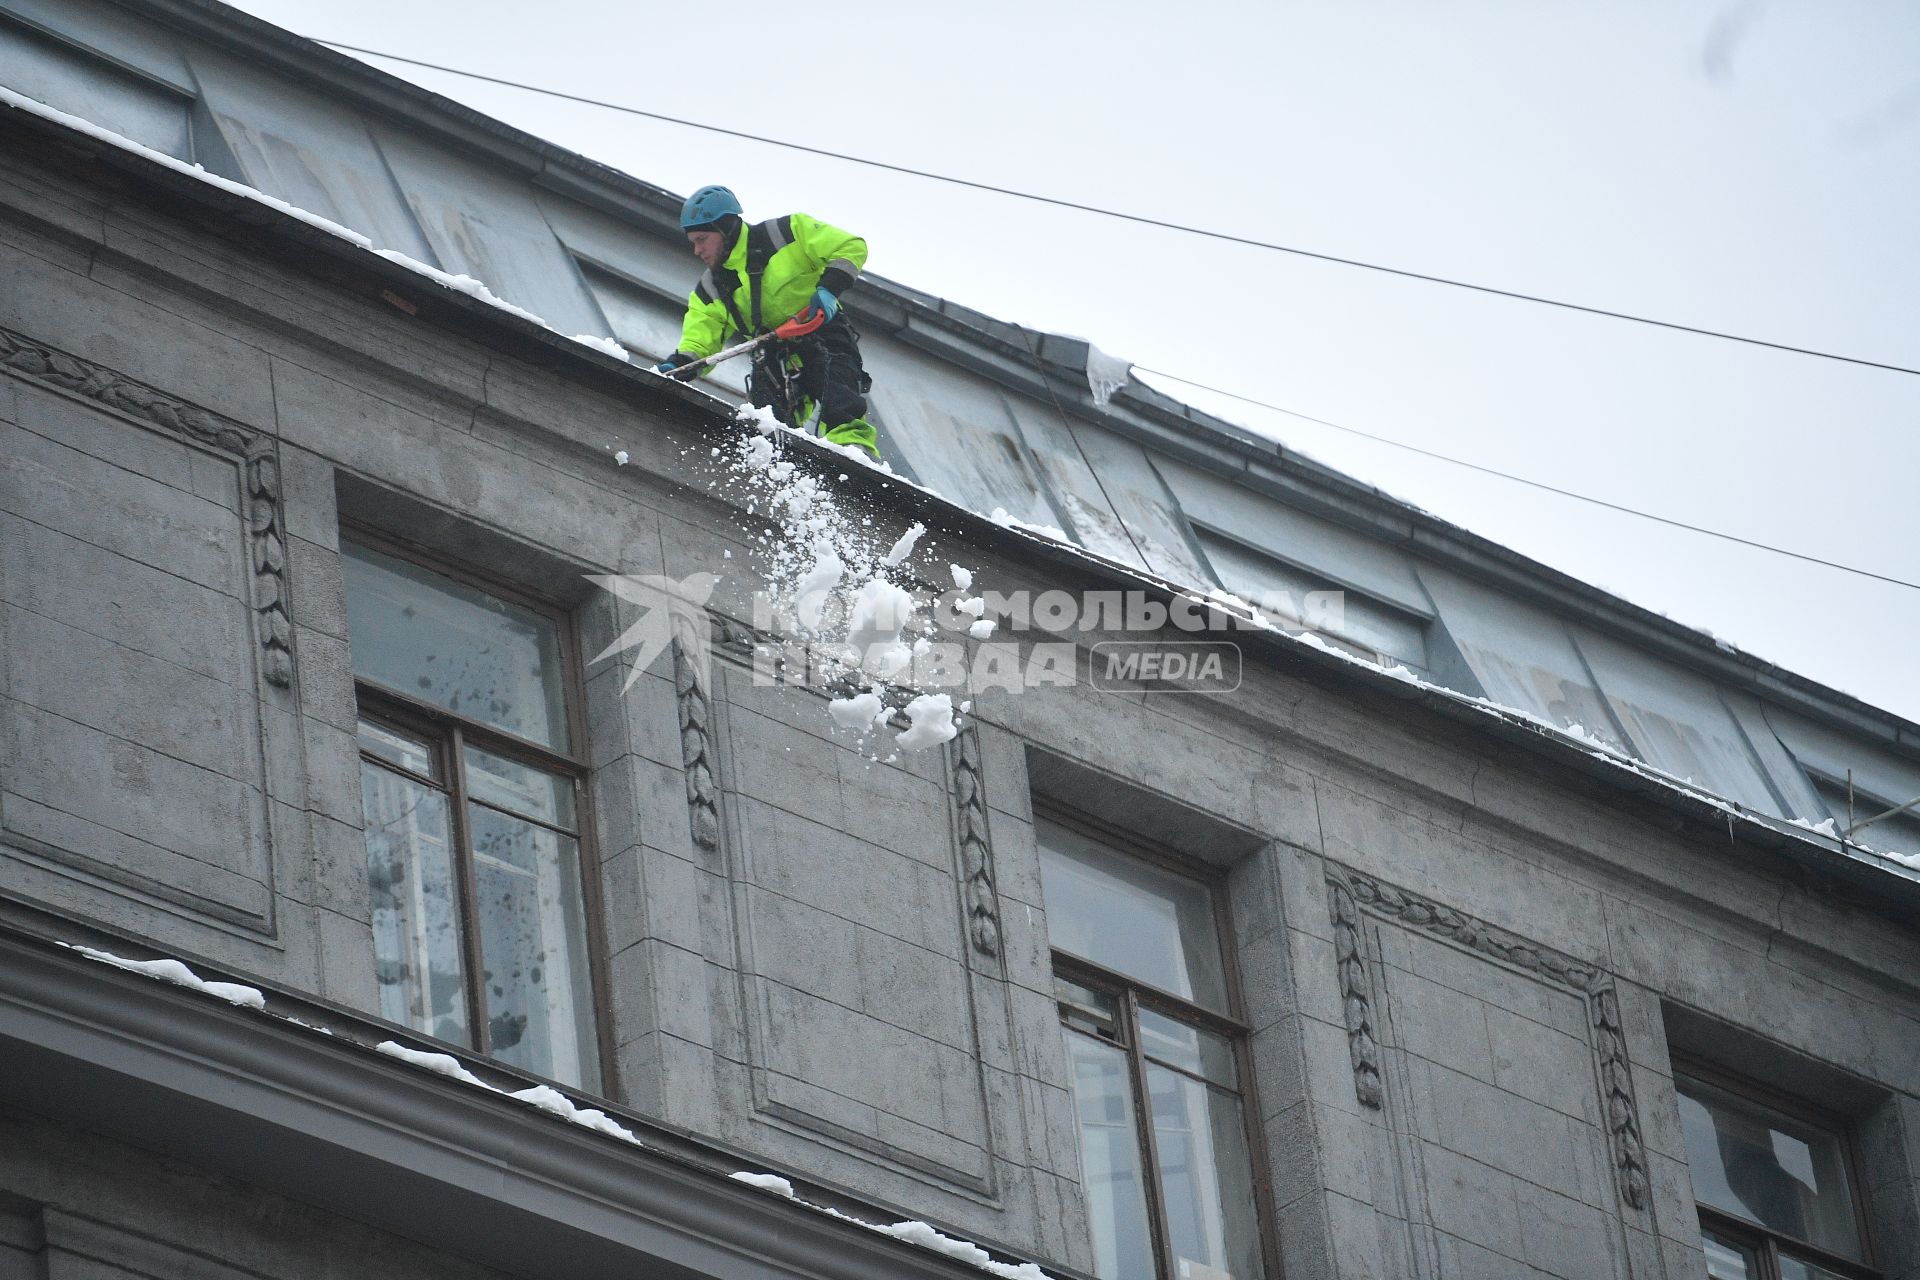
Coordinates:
x,y
670,606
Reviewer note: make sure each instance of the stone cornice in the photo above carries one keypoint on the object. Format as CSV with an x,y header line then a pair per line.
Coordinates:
x,y
330,1122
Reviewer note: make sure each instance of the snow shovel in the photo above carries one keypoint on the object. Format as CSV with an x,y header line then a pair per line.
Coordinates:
x,y
798,327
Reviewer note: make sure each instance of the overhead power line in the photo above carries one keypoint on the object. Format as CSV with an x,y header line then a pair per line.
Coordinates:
x,y
1532,484
1139,219
1258,244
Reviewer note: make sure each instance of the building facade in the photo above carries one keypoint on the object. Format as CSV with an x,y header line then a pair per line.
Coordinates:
x,y
373,905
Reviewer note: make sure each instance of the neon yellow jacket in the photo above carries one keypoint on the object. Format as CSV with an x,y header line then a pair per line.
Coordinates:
x,y
800,253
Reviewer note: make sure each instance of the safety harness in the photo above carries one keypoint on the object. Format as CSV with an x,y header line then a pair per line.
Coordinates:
x,y
770,363
764,239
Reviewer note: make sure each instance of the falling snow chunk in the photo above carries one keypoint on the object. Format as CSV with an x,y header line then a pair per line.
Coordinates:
x,y
858,713
932,717
443,1064
621,457
766,1182
962,578
759,417
880,610
982,629
904,547
181,976
816,586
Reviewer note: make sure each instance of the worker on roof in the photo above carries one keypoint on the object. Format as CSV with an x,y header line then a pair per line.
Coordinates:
x,y
761,276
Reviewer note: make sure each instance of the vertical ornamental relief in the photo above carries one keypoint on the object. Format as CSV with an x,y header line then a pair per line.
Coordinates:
x,y
976,853
695,701
1355,997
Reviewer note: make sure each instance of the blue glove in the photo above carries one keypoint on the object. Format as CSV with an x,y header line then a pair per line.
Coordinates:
x,y
665,366
828,304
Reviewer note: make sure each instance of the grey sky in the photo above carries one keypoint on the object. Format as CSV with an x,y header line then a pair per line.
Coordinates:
x,y
1751,166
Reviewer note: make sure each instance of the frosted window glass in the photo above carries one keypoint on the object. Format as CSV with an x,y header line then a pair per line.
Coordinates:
x,y
456,647
1754,1162
1110,1160
1134,919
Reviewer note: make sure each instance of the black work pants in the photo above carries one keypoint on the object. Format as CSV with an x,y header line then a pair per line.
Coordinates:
x,y
822,368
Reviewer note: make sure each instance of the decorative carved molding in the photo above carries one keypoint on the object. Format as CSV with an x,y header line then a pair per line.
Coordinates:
x,y
1476,935
1355,996
265,521
696,731
253,452
1616,1081
1351,891
976,852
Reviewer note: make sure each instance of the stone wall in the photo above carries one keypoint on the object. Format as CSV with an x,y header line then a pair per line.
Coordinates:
x,y
1459,963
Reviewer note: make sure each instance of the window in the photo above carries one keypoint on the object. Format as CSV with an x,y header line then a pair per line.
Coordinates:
x,y
474,806
1775,1186
63,72
1157,1061
648,324
1366,627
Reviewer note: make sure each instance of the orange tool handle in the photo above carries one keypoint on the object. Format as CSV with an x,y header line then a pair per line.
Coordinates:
x,y
801,325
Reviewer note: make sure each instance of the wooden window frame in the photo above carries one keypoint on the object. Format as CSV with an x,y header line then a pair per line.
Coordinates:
x,y
1766,1242
1134,995
447,733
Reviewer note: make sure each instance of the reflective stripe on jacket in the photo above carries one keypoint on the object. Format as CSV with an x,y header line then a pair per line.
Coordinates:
x,y
800,253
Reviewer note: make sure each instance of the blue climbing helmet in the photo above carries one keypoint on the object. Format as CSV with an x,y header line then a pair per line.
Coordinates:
x,y
708,204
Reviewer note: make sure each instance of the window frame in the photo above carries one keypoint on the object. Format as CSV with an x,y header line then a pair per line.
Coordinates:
x,y
1133,995
1765,1241
447,733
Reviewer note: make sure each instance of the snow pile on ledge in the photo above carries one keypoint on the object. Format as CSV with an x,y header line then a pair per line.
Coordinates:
x,y
544,1097
442,1064
179,975
607,345
912,1232
1051,532
551,1100
766,1182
